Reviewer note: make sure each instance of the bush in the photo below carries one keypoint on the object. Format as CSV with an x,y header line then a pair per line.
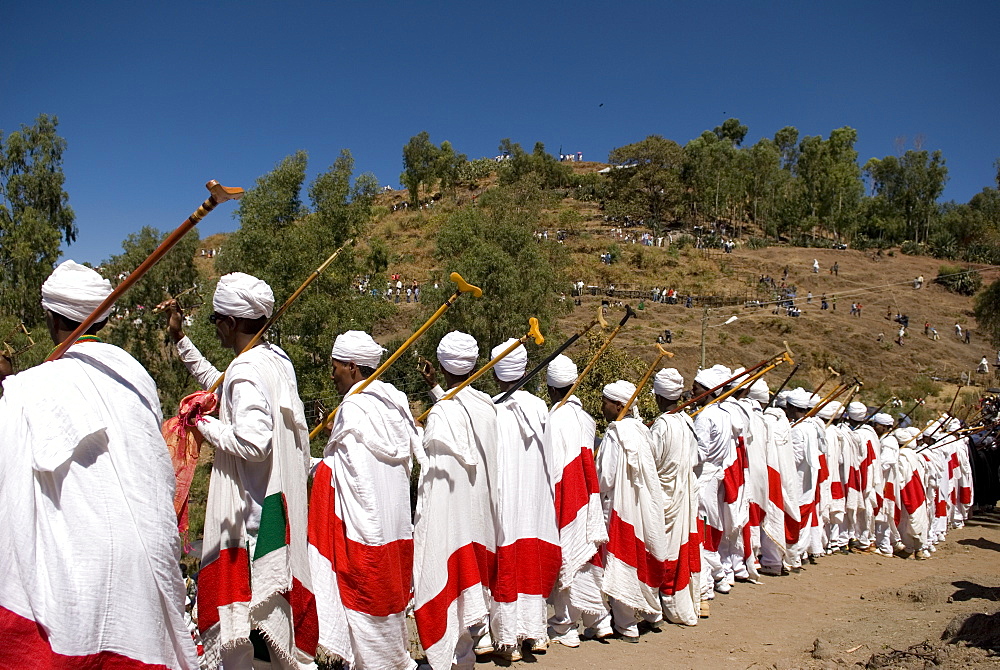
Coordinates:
x,y
911,248
758,243
957,280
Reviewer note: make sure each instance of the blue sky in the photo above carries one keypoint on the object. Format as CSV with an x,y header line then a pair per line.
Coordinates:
x,y
155,99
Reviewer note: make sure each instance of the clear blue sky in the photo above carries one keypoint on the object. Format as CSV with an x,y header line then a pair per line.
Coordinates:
x,y
154,99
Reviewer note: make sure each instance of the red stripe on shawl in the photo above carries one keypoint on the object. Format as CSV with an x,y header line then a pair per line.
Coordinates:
x,y
837,490
756,514
913,494
940,508
866,465
677,573
889,492
734,478
624,545
952,465
573,491
528,566
853,479
26,646
373,579
746,541
712,537
824,471
467,566
305,619
774,493
965,495
224,581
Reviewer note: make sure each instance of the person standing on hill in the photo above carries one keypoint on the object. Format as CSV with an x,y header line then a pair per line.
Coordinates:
x,y
815,266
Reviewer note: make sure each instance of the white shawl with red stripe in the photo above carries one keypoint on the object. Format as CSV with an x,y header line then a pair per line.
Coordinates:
x,y
260,581
782,517
90,548
675,452
528,552
360,533
569,435
633,505
912,519
454,537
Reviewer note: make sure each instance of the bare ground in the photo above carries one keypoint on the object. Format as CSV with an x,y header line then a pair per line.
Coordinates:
x,y
850,610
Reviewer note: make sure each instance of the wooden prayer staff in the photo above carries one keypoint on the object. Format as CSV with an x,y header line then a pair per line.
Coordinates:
x,y
219,194
9,351
941,443
463,287
548,359
833,373
850,396
629,313
785,355
163,305
903,418
784,358
952,405
774,396
879,408
661,352
533,333
833,395
281,310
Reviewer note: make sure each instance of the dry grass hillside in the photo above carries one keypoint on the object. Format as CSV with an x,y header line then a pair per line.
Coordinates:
x,y
818,338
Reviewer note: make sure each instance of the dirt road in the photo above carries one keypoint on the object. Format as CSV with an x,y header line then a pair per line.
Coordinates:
x,y
855,605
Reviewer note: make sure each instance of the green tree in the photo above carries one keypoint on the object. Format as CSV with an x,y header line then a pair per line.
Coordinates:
x,y
831,180
549,172
731,131
987,312
420,165
907,188
646,184
35,216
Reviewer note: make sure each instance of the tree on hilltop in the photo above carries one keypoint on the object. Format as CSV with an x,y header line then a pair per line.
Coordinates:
x,y
645,181
425,164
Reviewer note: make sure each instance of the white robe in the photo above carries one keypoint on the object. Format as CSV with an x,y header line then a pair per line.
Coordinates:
x,y
782,516
90,546
528,551
454,536
360,533
675,453
912,519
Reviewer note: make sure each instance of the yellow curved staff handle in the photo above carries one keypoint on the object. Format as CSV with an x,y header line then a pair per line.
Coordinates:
x,y
783,357
786,356
833,395
661,352
850,397
629,313
533,333
462,287
281,310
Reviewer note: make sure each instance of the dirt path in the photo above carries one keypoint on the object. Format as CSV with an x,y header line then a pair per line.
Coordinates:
x,y
856,605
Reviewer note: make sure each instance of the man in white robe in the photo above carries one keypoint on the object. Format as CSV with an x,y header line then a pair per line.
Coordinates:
x,y
911,519
806,450
569,434
675,452
90,549
817,522
360,532
528,552
454,535
782,525
256,513
836,444
862,482
735,548
633,507
886,534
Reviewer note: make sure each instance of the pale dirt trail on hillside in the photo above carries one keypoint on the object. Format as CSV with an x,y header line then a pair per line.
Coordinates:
x,y
856,605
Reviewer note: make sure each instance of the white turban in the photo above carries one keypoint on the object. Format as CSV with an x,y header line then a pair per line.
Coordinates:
x,y
953,425
458,352
735,372
932,429
243,296
620,391
913,431
857,411
883,419
668,384
561,372
713,376
75,291
902,436
830,410
510,368
760,392
781,400
357,346
801,398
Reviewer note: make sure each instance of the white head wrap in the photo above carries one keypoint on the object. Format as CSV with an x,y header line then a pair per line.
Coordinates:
x,y
510,368
713,376
668,384
932,429
857,411
800,398
781,400
760,392
561,372
458,352
735,372
830,410
883,419
913,431
75,291
243,296
619,391
902,435
953,425
357,346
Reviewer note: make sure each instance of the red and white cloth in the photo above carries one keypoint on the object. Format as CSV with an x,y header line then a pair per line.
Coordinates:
x,y
782,515
90,547
528,549
911,516
675,453
360,533
633,506
454,536
255,563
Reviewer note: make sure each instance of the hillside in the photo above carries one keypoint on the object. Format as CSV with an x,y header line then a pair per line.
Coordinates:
x,y
818,338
